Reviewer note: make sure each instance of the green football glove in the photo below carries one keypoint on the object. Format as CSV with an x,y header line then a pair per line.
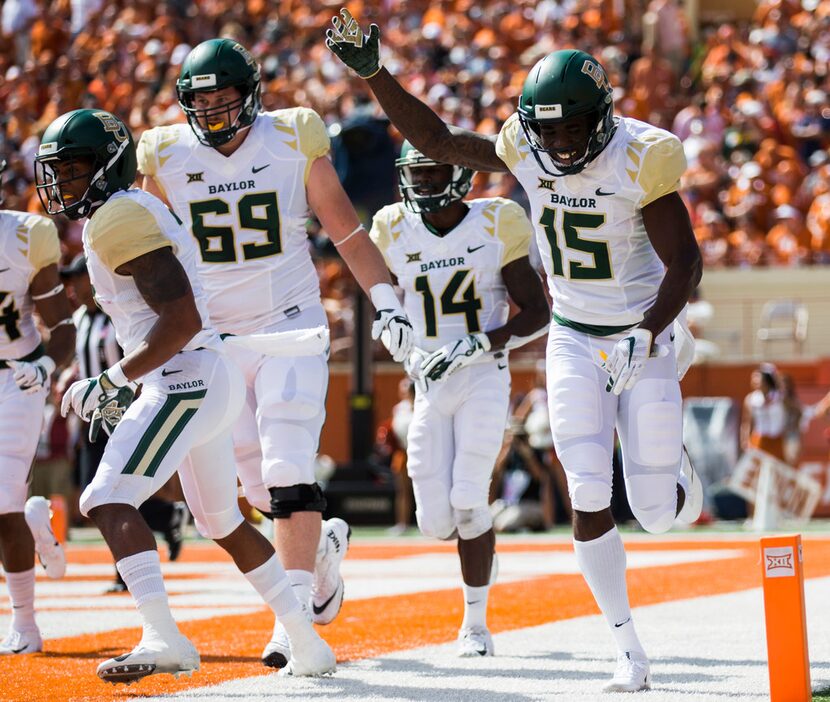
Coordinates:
x,y
98,401
358,51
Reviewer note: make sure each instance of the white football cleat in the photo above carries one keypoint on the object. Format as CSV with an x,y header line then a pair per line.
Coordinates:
x,y
633,674
176,657
327,588
277,651
49,551
18,642
689,480
311,658
474,641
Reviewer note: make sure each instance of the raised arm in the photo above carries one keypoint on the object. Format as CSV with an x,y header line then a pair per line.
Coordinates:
x,y
413,118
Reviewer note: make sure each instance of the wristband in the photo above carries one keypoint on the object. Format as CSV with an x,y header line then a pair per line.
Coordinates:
x,y
383,297
116,375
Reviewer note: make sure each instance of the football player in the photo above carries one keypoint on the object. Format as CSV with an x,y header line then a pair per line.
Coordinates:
x,y
29,254
242,181
457,262
142,264
621,261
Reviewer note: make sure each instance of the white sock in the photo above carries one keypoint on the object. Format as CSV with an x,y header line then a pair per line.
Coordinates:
x,y
475,605
301,581
22,595
273,586
602,562
141,573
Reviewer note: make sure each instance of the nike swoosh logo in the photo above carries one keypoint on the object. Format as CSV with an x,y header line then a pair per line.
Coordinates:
x,y
617,626
166,372
472,250
671,336
319,610
599,192
501,367
19,650
3,270
473,602
254,169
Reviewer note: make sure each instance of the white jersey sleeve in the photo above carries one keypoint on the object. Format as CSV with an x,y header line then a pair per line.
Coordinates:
x,y
28,244
453,285
131,224
247,213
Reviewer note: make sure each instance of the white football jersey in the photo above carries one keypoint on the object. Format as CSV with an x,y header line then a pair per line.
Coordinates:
x,y
452,285
28,243
247,213
132,223
600,265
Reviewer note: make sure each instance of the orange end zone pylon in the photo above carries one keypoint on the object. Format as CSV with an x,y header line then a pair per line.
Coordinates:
x,y
786,619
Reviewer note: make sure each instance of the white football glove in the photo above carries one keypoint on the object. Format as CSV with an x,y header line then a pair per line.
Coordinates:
x,y
391,324
412,366
32,376
442,363
98,401
626,360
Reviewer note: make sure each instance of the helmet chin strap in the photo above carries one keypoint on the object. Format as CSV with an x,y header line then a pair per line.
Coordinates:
x,y
246,103
84,210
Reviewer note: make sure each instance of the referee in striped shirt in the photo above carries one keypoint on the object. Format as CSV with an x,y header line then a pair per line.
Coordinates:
x,y
97,349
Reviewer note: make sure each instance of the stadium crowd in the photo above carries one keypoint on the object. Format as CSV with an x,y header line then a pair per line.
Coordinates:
x,y
748,99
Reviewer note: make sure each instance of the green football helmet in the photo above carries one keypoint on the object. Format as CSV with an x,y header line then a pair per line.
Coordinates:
x,y
90,145
213,65
564,85
413,195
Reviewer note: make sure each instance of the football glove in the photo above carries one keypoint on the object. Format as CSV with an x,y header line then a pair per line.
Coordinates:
x,y
358,51
442,363
98,401
391,324
626,360
412,366
32,376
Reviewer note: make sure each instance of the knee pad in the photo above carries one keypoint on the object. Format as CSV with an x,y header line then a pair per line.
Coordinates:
x,y
653,500
588,470
218,525
285,501
574,402
652,435
435,527
472,523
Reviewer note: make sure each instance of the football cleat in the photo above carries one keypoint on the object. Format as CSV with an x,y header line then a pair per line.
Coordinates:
x,y
328,587
311,659
633,673
49,551
474,641
17,642
151,658
277,651
690,483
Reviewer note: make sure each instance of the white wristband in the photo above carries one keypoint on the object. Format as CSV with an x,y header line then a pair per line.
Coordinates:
x,y
48,364
116,375
383,297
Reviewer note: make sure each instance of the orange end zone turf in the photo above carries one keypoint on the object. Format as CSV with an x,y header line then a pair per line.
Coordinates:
x,y
230,645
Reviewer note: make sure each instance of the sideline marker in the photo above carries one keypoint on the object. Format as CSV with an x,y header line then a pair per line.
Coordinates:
x,y
786,619
60,517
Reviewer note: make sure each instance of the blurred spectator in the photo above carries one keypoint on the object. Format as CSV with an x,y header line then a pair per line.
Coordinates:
x,y
521,486
794,412
764,419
